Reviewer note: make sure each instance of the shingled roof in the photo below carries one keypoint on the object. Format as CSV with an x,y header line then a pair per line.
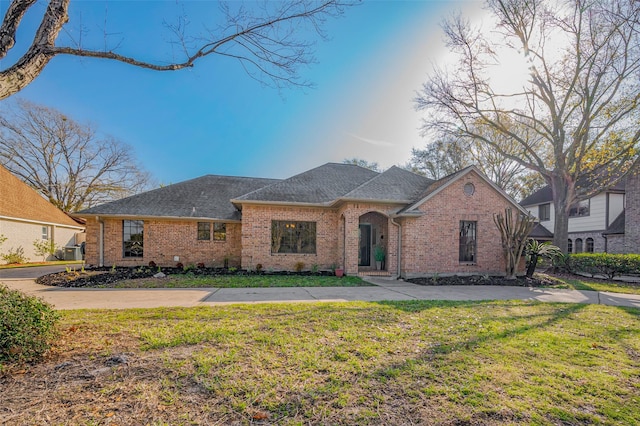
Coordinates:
x,y
617,226
204,197
394,184
18,200
322,185
545,195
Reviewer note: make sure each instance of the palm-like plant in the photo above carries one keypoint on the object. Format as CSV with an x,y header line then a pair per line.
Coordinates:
x,y
535,250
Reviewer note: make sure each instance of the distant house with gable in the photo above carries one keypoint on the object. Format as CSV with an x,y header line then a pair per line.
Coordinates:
x,y
25,217
607,222
335,215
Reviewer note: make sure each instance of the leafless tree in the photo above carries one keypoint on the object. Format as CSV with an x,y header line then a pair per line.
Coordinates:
x,y
267,38
452,152
67,162
577,117
371,165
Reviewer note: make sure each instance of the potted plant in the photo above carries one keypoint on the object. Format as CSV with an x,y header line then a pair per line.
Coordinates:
x,y
337,270
379,255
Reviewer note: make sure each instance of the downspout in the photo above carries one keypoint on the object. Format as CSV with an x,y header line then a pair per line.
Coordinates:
x,y
100,242
399,259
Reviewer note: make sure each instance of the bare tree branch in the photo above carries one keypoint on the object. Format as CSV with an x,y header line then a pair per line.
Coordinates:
x,y
271,41
575,121
67,162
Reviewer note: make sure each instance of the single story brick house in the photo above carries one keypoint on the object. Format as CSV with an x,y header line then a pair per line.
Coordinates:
x,y
336,215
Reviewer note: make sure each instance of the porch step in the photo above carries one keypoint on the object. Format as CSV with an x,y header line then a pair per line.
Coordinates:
x,y
374,274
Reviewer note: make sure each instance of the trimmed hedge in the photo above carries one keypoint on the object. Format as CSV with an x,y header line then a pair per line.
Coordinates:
x,y
610,265
27,326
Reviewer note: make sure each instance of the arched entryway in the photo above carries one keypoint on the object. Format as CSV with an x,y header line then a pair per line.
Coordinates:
x,y
373,242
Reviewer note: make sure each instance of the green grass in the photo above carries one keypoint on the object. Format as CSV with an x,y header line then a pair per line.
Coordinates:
x,y
414,362
594,285
241,281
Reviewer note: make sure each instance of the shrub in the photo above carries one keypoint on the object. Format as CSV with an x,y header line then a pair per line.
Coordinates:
x,y
298,267
607,264
259,267
536,250
27,326
16,256
45,248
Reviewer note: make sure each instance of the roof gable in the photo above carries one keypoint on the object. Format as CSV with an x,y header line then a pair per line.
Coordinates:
x,y
204,197
321,185
443,183
394,184
18,200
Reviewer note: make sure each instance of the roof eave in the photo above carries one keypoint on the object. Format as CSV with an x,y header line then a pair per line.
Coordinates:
x,y
133,216
281,203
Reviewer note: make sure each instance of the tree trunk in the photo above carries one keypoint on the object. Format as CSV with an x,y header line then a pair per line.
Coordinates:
x,y
532,265
563,190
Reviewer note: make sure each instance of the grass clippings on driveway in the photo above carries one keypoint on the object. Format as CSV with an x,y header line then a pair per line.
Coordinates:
x,y
416,362
575,282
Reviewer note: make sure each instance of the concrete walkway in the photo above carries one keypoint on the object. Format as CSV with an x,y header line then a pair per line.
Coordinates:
x,y
382,289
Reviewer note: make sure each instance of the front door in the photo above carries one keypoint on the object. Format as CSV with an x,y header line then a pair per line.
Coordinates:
x,y
364,254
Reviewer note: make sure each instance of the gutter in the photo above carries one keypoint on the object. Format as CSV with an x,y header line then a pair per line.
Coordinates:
x,y
399,254
100,242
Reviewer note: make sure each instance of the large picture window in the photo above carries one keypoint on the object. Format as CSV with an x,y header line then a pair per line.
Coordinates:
x,y
132,238
468,241
293,237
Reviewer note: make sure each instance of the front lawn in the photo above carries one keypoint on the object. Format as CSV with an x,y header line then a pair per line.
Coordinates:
x,y
239,281
416,362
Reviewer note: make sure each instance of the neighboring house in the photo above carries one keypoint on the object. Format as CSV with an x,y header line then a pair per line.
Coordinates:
x,y
607,222
332,216
623,235
25,217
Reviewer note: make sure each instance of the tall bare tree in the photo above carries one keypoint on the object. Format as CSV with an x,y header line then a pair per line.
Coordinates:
x,y
577,117
267,38
451,153
67,162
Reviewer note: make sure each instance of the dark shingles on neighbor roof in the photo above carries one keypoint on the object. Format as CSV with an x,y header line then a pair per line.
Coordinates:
x,y
321,185
542,195
540,232
617,226
204,197
394,184
545,195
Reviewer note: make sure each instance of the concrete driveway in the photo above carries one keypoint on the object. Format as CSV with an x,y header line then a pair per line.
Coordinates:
x,y
381,289
34,272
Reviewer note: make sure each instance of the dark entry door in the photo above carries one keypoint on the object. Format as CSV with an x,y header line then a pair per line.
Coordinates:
x,y
364,254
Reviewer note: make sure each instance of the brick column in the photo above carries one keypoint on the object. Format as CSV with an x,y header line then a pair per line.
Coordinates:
x,y
632,211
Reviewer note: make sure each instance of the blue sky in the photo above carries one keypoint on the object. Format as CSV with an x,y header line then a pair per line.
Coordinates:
x,y
214,119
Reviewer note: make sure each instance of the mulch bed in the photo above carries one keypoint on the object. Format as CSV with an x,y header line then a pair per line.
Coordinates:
x,y
91,277
536,281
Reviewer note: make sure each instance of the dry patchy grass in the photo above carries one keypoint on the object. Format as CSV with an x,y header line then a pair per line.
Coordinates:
x,y
336,363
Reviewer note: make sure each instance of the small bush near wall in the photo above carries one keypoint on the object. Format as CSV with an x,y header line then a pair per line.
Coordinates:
x,y
607,264
27,326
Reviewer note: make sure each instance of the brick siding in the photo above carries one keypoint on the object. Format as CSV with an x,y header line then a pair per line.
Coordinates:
x,y
164,239
598,241
256,237
632,212
430,243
